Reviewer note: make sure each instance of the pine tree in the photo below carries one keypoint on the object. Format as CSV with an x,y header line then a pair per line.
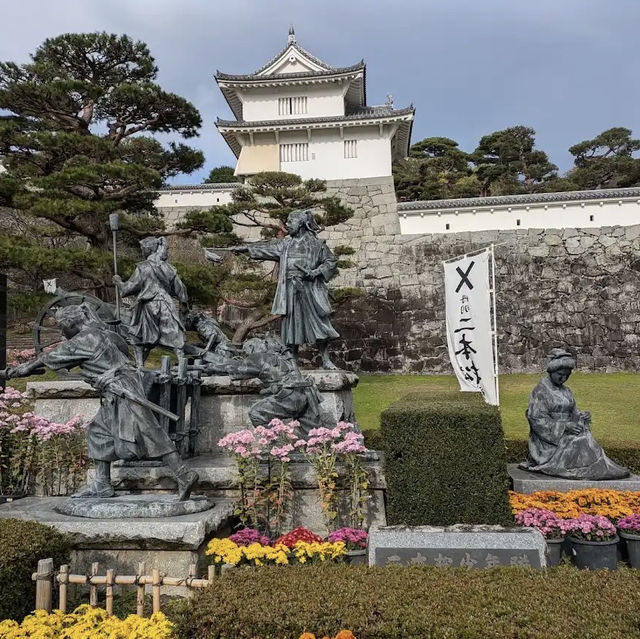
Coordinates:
x,y
262,209
77,141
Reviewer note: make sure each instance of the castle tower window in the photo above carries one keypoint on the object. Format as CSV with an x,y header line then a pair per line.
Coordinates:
x,y
350,149
297,152
292,106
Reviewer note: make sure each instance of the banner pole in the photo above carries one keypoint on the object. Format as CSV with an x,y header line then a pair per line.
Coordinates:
x,y
495,323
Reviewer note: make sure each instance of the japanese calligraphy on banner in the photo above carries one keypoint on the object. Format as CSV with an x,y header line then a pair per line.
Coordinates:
x,y
470,331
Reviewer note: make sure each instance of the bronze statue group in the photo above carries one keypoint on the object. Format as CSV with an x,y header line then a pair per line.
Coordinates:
x,y
127,425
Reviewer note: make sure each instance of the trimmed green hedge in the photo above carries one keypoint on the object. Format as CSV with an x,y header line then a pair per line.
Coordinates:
x,y
414,602
445,461
22,544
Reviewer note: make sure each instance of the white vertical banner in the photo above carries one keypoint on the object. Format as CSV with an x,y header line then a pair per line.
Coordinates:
x,y
471,337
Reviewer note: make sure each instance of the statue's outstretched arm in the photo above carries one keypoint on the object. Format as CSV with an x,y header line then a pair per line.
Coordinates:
x,y
34,367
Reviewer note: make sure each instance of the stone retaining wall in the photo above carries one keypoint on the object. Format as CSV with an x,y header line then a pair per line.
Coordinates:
x,y
578,288
556,287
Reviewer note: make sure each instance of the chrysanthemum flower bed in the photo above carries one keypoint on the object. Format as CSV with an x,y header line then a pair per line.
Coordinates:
x,y
87,623
612,504
299,546
225,551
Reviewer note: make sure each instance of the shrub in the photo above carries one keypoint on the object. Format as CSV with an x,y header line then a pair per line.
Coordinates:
x,y
22,544
444,461
415,602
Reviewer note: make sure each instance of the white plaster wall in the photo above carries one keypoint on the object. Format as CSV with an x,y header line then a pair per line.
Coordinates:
x,y
586,214
169,199
326,154
322,101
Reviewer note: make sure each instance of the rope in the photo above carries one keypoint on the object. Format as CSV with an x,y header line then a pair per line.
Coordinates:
x,y
45,576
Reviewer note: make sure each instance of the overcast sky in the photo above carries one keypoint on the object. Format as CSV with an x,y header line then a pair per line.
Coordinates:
x,y
567,68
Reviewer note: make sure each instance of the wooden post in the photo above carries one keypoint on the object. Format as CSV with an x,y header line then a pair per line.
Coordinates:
x,y
165,392
211,573
44,584
181,404
194,417
140,589
93,589
156,581
63,578
109,598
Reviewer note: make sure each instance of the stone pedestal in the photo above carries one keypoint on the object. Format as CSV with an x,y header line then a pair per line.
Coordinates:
x,y
224,406
218,479
455,546
169,544
527,482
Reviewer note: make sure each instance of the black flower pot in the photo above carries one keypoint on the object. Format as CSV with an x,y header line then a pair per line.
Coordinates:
x,y
356,557
632,542
554,551
595,555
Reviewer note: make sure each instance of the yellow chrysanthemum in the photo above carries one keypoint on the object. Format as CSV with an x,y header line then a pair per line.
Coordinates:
x,y
87,623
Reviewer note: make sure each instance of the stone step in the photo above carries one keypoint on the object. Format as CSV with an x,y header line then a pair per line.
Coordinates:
x,y
218,475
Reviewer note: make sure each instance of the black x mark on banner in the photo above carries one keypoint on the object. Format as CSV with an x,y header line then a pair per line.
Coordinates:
x,y
464,277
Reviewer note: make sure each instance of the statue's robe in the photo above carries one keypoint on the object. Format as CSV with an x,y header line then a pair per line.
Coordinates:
x,y
155,321
121,429
552,449
303,304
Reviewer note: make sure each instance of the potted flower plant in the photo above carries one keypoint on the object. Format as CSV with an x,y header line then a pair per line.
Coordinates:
x,y
593,542
629,529
553,529
355,541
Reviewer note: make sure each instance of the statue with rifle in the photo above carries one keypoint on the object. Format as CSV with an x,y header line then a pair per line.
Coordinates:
x,y
126,426
306,264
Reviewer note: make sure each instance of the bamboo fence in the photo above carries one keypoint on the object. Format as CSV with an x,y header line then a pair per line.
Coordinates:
x,y
47,579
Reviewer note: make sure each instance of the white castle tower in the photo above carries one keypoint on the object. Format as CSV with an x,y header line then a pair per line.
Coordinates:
x,y
300,115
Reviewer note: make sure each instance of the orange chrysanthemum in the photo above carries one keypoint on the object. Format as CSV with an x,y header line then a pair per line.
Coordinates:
x,y
613,504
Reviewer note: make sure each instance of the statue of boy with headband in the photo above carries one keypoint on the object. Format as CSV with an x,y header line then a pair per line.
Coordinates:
x,y
126,426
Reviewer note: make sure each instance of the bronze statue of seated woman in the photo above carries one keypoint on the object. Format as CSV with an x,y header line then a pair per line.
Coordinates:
x,y
560,439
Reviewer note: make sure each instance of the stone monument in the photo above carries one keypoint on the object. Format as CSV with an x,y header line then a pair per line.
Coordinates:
x,y
124,515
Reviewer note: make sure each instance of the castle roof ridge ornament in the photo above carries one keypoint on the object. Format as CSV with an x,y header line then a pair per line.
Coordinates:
x,y
292,36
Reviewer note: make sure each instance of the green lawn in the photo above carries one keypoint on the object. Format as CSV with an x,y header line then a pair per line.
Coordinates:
x,y
612,398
